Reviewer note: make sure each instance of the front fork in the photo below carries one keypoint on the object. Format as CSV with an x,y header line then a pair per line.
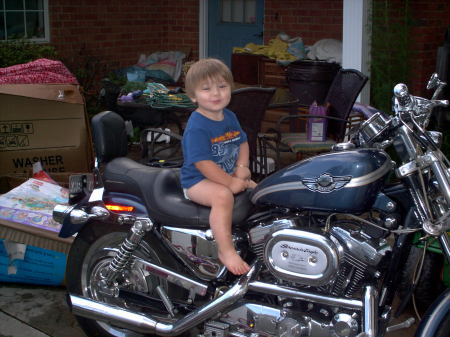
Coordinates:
x,y
411,172
445,244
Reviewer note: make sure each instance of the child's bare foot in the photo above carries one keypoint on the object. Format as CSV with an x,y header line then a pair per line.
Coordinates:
x,y
234,262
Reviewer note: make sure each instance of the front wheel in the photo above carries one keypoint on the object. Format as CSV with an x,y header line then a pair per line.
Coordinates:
x,y
91,252
436,321
444,327
430,284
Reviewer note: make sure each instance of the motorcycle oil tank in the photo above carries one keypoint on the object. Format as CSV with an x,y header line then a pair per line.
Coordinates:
x,y
346,181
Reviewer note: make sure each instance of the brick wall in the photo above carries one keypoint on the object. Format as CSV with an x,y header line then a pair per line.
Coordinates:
x,y
312,20
182,27
118,32
114,31
430,21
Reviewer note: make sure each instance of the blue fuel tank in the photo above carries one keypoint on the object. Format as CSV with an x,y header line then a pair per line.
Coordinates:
x,y
345,182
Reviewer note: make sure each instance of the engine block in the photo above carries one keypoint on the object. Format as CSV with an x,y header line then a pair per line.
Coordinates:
x,y
336,262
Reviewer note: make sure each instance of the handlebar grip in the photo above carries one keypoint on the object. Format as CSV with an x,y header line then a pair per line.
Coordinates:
x,y
441,102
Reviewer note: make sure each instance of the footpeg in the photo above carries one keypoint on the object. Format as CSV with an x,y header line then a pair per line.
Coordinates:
x,y
216,329
404,325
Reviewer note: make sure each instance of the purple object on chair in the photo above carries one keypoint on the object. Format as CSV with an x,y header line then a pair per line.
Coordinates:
x,y
317,127
366,110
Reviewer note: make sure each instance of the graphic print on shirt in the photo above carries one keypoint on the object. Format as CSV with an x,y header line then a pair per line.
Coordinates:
x,y
225,150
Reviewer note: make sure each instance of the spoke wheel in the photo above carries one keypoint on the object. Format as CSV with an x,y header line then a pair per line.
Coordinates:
x,y
91,253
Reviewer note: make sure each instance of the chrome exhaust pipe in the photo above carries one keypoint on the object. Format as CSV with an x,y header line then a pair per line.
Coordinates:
x,y
273,289
85,307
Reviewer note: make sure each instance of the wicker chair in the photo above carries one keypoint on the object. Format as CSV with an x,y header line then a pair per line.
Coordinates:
x,y
249,105
341,97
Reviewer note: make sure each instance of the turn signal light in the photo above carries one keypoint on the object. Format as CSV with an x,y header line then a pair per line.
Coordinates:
x,y
119,208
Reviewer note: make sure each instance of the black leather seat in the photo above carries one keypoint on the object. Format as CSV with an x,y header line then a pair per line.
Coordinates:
x,y
159,188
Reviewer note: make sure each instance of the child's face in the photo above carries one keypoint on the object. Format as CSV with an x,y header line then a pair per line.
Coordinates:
x,y
212,95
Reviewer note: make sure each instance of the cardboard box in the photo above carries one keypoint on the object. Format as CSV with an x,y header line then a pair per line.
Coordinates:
x,y
43,122
10,181
30,264
44,261
34,236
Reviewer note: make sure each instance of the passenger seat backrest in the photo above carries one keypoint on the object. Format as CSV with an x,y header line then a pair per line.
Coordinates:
x,y
109,135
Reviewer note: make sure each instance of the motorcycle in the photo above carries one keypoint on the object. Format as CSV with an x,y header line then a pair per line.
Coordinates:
x,y
326,239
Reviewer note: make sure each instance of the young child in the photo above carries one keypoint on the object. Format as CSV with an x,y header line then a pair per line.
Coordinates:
x,y
216,154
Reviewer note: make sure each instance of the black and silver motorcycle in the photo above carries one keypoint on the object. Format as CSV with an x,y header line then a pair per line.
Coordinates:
x,y
326,238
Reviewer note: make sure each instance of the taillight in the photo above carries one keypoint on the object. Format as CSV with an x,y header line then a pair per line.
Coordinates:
x,y
119,208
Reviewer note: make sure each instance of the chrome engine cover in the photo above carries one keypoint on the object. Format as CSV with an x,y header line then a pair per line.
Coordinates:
x,y
252,318
302,257
336,262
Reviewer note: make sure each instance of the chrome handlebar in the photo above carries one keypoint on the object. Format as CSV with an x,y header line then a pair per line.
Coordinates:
x,y
419,108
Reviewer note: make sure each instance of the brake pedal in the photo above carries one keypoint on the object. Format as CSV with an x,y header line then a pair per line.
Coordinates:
x,y
403,325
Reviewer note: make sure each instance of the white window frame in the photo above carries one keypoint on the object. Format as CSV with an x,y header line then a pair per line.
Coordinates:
x,y
46,37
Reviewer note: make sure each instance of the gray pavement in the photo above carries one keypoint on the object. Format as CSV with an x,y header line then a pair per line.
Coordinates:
x,y
35,311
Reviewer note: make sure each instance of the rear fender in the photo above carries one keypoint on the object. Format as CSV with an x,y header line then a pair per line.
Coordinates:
x,y
71,227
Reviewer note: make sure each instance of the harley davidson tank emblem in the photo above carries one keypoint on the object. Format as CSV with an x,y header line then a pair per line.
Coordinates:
x,y
325,183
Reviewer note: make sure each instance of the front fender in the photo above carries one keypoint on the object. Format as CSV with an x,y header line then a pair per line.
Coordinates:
x,y
434,316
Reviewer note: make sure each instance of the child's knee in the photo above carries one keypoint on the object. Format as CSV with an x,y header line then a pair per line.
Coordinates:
x,y
224,196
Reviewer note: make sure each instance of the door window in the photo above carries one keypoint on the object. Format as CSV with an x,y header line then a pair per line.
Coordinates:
x,y
238,11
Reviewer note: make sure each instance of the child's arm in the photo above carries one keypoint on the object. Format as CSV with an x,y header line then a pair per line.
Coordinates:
x,y
214,173
241,170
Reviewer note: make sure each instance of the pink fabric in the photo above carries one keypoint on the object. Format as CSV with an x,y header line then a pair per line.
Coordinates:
x,y
37,72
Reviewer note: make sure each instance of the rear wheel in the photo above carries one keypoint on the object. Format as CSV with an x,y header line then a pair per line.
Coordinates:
x,y
92,251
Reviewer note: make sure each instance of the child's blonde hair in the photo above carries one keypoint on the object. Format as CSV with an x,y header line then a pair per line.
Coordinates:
x,y
206,69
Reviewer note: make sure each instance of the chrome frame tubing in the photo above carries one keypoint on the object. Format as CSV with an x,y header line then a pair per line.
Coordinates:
x,y
410,146
432,160
445,244
440,174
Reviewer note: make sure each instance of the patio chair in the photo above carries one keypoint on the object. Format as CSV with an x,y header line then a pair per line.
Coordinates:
x,y
249,105
341,97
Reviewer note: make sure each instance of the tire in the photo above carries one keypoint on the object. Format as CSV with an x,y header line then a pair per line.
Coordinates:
x,y
444,328
436,320
86,258
430,284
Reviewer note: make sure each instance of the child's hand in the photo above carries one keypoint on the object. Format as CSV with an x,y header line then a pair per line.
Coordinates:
x,y
242,173
251,184
238,185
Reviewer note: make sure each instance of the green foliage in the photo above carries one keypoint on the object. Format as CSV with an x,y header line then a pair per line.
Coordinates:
x,y
133,86
88,69
21,51
136,137
391,49
118,80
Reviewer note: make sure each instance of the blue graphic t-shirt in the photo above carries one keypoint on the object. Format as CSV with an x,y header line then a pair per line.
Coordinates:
x,y
206,139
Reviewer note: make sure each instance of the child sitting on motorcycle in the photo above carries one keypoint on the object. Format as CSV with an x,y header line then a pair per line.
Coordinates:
x,y
216,154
